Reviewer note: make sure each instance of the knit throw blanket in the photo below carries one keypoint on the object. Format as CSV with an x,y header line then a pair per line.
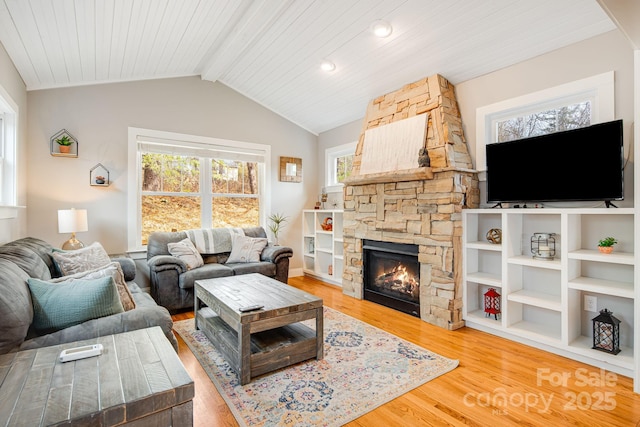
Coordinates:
x,y
213,240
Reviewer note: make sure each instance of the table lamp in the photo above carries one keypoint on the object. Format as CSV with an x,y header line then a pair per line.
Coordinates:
x,y
72,221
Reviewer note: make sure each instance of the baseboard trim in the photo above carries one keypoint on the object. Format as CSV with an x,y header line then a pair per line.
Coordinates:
x,y
296,272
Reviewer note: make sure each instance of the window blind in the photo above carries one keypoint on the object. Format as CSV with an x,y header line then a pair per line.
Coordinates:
x,y
196,149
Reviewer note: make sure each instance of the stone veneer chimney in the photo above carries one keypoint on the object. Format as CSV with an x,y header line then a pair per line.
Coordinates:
x,y
420,206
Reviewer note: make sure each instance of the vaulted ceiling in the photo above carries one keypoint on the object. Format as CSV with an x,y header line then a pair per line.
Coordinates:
x,y
270,50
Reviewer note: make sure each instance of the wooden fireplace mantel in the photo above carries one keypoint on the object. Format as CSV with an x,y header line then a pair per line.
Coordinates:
x,y
396,176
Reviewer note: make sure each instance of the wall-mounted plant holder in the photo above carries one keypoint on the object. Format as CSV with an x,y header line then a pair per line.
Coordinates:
x,y
99,176
63,144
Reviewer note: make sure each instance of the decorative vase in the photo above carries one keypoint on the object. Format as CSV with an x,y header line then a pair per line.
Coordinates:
x,y
605,249
65,149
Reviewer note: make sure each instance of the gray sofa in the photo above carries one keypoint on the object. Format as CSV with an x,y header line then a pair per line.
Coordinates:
x,y
31,257
172,283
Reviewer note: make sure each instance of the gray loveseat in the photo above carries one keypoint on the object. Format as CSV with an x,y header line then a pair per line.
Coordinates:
x,y
172,283
31,257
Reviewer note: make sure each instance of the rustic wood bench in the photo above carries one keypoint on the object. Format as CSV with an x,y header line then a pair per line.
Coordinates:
x,y
138,379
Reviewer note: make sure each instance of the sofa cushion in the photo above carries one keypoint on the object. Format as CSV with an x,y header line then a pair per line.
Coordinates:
x,y
39,247
246,249
265,268
16,311
61,305
84,259
113,270
27,259
207,271
188,253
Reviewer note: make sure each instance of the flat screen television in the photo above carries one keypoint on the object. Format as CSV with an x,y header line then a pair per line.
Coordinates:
x,y
583,164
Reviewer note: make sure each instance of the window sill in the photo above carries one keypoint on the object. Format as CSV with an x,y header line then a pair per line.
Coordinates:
x,y
8,212
336,188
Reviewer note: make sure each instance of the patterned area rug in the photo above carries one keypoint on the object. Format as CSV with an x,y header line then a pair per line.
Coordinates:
x,y
363,368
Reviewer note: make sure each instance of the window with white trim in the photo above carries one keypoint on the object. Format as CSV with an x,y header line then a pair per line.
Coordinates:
x,y
572,105
339,161
186,182
8,147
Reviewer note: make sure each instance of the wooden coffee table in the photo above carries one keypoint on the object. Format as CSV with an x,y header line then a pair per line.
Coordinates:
x,y
264,340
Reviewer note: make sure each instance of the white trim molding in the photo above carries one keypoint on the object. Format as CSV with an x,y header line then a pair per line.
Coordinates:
x,y
599,89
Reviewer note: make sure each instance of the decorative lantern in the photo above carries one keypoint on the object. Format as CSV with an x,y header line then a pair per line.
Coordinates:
x,y
492,303
606,332
543,246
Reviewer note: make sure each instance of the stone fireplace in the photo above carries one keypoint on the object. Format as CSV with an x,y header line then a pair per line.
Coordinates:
x,y
393,196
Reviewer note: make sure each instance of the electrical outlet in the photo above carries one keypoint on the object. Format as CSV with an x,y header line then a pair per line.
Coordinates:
x,y
590,303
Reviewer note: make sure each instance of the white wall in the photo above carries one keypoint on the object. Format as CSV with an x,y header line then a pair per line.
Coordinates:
x,y
99,116
609,51
11,82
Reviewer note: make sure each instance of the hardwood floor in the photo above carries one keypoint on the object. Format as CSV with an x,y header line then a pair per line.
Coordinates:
x,y
498,382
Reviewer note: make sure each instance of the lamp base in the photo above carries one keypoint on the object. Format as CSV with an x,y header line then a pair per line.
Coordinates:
x,y
72,244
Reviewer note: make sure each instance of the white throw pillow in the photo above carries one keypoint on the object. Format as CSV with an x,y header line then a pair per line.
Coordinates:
x,y
114,270
84,259
187,252
246,249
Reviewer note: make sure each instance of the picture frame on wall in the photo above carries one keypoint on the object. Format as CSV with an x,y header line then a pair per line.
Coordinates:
x,y
290,169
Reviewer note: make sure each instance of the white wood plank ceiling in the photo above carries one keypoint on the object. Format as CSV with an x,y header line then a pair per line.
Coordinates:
x,y
270,50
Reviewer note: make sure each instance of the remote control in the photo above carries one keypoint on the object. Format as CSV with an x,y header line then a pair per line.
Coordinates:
x,y
250,308
80,352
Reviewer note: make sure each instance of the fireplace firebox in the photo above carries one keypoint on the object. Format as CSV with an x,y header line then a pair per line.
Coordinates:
x,y
391,273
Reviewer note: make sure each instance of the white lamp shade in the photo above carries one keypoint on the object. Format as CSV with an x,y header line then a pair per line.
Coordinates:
x,y
72,220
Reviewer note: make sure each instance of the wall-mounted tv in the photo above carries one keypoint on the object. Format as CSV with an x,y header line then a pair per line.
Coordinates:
x,y
583,164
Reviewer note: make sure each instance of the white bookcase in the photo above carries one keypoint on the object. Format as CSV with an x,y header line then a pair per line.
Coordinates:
x,y
543,301
322,251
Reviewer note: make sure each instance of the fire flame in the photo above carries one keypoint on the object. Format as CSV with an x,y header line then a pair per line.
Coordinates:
x,y
399,279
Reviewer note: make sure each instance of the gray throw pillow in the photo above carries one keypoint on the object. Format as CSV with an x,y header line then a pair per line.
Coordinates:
x,y
187,252
246,249
114,270
84,259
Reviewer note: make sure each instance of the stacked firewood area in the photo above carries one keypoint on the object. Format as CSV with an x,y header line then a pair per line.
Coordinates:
x,y
399,280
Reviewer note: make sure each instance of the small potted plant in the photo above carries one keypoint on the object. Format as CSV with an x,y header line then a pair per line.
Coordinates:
x,y
606,245
276,222
100,179
65,143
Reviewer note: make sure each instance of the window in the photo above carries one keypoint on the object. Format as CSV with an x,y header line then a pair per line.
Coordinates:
x,y
8,147
339,161
568,117
185,182
572,105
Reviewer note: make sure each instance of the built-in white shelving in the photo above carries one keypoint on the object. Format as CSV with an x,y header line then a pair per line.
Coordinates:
x,y
542,301
323,249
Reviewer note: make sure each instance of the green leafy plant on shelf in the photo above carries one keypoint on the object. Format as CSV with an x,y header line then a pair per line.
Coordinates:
x,y
607,242
276,223
64,140
605,245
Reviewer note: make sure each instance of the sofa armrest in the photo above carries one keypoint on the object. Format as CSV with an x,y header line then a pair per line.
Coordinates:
x,y
166,262
128,267
274,253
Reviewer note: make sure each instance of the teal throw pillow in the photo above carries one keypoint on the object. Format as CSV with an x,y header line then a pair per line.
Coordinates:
x,y
60,305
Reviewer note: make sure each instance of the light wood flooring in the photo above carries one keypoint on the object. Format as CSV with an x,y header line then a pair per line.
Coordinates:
x,y
497,383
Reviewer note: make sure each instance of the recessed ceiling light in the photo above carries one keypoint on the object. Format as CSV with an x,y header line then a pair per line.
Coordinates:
x,y
381,28
327,65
